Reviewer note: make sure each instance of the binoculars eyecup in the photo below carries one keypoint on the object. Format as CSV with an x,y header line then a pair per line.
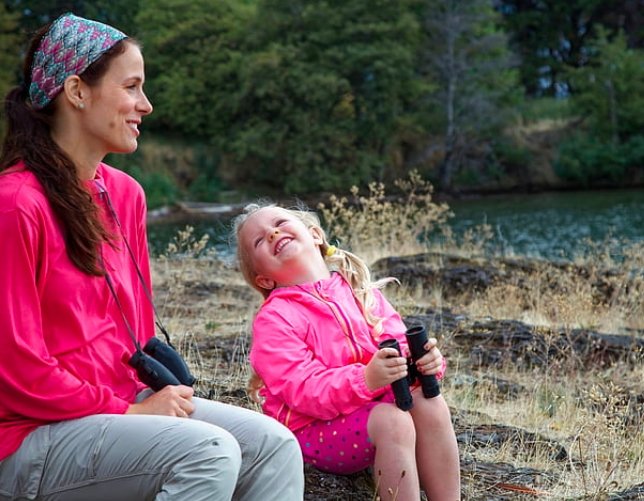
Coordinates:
x,y
416,339
169,357
152,372
402,394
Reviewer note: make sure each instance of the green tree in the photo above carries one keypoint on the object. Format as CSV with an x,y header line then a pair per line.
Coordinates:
x,y
298,95
552,35
193,52
332,81
610,90
35,13
465,53
9,55
610,100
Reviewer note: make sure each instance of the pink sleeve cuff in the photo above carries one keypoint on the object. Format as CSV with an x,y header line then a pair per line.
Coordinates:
x,y
363,389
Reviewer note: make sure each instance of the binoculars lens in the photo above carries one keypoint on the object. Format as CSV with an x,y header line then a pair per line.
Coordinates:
x,y
152,372
169,357
159,365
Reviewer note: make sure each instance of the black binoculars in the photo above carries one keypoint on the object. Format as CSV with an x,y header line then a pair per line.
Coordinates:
x,y
400,387
416,339
160,365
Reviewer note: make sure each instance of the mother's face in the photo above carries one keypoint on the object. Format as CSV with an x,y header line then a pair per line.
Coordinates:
x,y
116,105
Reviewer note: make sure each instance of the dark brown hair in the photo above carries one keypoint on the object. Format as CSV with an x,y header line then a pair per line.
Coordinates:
x,y
28,138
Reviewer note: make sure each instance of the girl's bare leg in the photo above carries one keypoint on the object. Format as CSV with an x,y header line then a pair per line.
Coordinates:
x,y
392,433
436,448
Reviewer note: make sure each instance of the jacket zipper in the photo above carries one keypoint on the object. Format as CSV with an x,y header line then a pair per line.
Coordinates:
x,y
344,322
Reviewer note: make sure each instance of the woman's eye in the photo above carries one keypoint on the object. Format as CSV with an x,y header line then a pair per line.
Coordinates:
x,y
257,242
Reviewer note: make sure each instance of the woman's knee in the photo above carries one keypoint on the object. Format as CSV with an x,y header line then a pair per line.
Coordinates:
x,y
210,444
271,437
207,467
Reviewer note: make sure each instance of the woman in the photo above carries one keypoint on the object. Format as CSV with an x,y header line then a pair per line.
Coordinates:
x,y
75,421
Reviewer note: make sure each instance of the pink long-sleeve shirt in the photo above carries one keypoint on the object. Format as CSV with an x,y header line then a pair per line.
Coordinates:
x,y
310,346
63,340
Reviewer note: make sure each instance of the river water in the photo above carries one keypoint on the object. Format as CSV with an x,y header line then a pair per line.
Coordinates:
x,y
555,225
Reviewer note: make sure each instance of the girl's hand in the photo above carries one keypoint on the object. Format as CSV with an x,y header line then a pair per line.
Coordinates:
x,y
383,370
432,361
169,401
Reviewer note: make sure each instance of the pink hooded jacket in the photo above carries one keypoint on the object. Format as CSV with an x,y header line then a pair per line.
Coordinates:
x,y
62,336
310,346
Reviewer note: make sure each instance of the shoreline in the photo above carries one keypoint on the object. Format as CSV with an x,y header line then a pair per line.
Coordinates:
x,y
205,211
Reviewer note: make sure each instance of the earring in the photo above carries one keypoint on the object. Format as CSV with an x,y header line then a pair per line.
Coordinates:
x,y
81,106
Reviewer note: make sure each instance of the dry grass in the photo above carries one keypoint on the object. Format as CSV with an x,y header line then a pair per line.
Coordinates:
x,y
374,226
585,414
570,301
590,411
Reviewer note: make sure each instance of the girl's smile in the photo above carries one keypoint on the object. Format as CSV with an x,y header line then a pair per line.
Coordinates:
x,y
281,244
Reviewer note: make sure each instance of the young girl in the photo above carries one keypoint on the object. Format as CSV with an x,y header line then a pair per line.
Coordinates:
x,y
319,369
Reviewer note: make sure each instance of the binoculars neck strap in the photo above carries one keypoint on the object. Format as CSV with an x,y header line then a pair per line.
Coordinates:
x,y
110,285
148,294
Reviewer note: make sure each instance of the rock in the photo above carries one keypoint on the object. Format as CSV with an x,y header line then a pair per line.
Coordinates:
x,y
525,443
495,342
463,278
322,486
635,493
487,481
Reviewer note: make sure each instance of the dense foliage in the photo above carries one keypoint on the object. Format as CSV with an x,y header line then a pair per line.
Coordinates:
x,y
609,101
9,57
302,96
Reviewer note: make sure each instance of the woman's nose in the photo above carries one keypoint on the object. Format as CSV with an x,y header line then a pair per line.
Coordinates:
x,y
144,105
273,235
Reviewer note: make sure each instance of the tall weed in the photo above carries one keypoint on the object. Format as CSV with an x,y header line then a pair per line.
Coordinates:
x,y
375,225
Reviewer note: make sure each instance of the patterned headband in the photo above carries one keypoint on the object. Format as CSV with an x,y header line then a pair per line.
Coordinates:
x,y
68,48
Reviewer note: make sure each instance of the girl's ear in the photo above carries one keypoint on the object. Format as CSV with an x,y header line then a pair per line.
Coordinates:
x,y
318,236
265,282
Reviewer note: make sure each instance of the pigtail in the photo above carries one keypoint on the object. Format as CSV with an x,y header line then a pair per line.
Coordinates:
x,y
255,383
356,272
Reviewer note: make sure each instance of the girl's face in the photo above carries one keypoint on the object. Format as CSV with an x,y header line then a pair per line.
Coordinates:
x,y
116,105
280,247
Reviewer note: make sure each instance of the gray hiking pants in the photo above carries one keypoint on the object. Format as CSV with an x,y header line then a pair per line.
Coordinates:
x,y
221,452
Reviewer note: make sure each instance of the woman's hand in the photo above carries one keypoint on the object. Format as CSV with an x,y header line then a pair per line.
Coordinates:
x,y
169,401
432,361
385,367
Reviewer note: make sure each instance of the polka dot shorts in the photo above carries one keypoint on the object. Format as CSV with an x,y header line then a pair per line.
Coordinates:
x,y
340,445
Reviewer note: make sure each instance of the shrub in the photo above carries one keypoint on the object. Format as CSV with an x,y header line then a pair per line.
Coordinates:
x,y
375,226
160,189
588,160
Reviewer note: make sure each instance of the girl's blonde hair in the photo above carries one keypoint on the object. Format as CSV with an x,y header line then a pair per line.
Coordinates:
x,y
354,270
